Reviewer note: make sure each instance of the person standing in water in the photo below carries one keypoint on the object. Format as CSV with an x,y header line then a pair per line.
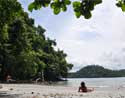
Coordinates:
x,y
83,88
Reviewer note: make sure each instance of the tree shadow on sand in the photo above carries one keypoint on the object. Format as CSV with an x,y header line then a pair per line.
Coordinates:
x,y
9,95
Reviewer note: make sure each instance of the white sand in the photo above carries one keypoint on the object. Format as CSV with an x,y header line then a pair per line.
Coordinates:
x,y
43,91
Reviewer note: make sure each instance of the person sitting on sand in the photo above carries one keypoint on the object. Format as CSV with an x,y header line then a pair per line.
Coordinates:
x,y
83,88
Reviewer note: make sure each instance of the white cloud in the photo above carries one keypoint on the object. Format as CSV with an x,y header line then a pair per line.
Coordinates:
x,y
87,41
99,40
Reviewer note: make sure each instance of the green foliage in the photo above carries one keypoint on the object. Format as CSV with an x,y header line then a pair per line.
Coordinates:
x,y
58,5
121,4
81,8
85,7
77,8
37,4
96,71
24,49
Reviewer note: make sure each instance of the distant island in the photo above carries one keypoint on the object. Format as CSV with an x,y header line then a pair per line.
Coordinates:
x,y
96,71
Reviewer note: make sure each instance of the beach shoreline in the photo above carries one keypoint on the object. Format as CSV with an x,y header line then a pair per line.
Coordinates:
x,y
50,91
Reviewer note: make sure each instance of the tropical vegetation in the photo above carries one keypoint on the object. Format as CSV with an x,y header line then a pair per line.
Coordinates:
x,y
25,52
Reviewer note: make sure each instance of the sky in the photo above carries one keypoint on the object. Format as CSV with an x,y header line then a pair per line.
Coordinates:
x,y
99,40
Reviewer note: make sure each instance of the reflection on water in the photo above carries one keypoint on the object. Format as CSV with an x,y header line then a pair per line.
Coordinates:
x,y
93,82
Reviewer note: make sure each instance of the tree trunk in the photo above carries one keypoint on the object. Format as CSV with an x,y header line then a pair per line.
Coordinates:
x,y
42,74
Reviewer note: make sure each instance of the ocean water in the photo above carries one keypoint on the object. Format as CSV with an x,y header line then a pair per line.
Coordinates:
x,y
94,82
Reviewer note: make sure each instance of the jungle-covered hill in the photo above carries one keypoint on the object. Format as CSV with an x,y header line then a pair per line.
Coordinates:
x,y
96,71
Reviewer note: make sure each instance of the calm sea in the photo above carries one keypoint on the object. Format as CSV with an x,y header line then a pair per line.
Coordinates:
x,y
94,82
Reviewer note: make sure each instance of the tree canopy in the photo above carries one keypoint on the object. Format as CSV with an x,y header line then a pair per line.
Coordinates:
x,y
25,52
80,7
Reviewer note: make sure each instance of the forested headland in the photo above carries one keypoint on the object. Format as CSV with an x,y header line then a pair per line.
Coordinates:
x,y
25,52
96,71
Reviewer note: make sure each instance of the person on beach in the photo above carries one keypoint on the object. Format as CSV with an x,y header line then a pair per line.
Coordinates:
x,y
83,88
9,79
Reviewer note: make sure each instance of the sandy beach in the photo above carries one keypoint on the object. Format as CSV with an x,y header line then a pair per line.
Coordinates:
x,y
45,91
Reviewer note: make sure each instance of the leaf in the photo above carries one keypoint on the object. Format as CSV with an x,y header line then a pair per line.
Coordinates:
x,y
31,7
38,6
88,15
56,1
118,5
90,6
67,2
97,1
76,4
52,5
78,14
46,5
77,9
123,7
64,8
56,10
34,5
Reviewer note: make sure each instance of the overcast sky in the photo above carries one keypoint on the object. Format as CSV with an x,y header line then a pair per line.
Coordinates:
x,y
99,40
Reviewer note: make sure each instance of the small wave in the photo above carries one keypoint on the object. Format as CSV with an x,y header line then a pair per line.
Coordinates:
x,y
101,86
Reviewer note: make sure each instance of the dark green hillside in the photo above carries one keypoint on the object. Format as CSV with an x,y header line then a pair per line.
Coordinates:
x,y
94,71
